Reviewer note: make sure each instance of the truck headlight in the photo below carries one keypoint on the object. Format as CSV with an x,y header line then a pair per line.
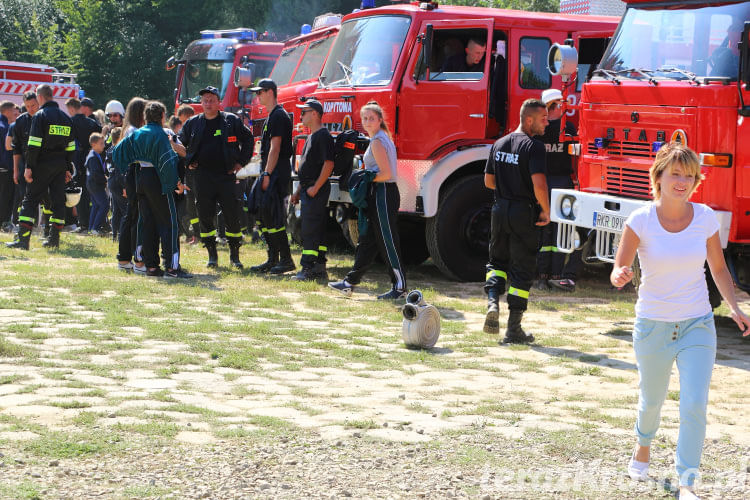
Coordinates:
x,y
566,207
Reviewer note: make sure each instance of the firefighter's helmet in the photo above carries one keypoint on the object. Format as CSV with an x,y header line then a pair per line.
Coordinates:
x,y
72,196
114,107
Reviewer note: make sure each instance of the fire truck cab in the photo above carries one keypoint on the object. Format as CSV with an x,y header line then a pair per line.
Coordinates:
x,y
674,71
213,59
444,122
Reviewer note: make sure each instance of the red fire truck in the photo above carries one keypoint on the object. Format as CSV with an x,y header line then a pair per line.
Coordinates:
x,y
16,78
213,59
444,122
296,70
674,71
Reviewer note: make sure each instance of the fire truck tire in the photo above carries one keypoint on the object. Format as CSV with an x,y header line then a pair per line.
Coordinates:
x,y
714,296
458,235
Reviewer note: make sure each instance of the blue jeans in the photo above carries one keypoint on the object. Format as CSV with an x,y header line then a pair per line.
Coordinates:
x,y
99,206
657,344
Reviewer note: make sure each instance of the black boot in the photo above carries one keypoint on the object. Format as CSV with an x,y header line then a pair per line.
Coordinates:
x,y
213,257
491,320
286,263
234,255
273,256
53,240
515,334
320,271
22,239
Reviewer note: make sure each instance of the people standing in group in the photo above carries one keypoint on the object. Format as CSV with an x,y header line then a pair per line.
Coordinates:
x,y
275,158
83,127
96,183
315,167
557,269
184,113
51,147
674,238
8,115
383,200
516,172
153,164
218,145
130,244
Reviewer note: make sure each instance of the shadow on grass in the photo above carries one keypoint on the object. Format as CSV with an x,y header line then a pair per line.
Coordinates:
x,y
79,250
207,281
436,351
584,357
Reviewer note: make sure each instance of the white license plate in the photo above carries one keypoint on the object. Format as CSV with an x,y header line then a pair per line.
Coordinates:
x,y
609,222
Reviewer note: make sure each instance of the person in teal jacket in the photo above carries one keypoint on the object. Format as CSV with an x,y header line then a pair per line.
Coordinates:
x,y
156,182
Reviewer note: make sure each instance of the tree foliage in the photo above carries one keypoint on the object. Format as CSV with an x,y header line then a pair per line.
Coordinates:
x,y
118,48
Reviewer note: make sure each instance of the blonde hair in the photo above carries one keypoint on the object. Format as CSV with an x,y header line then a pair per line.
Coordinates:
x,y
375,108
670,154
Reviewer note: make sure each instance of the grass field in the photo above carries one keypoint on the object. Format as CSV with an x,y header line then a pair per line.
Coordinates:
x,y
232,385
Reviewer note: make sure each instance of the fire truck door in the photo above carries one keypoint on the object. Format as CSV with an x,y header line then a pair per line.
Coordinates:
x,y
528,75
437,106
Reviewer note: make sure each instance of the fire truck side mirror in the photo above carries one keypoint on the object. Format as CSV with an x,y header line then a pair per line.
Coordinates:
x,y
562,60
244,77
426,55
170,64
744,47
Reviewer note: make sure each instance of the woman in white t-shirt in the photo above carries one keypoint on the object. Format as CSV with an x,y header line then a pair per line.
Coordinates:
x,y
674,319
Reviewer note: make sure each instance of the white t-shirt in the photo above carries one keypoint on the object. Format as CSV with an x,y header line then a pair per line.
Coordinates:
x,y
673,280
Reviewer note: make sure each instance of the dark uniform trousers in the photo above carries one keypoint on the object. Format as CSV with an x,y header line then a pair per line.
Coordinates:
x,y
383,200
551,263
159,215
212,187
314,212
190,206
513,249
130,243
7,188
48,180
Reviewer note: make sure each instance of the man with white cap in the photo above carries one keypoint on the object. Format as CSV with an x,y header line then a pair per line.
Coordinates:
x,y
552,267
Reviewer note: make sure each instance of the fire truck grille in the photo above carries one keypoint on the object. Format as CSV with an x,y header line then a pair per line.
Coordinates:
x,y
624,149
627,182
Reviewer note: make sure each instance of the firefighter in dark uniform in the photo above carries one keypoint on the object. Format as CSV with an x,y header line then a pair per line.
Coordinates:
x,y
275,156
218,145
552,266
48,167
516,171
315,167
83,127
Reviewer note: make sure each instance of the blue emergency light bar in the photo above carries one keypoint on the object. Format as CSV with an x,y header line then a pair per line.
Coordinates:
x,y
81,93
367,4
306,28
243,34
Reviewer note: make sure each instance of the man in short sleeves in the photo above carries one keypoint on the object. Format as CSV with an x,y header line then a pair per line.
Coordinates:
x,y
516,171
275,158
315,167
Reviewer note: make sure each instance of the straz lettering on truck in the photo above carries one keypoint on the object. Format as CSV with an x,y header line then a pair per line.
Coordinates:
x,y
642,135
337,107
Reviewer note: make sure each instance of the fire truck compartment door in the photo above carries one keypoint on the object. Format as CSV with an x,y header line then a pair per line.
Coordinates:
x,y
441,108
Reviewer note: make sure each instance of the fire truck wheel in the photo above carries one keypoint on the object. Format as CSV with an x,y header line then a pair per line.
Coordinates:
x,y
458,235
413,243
350,231
714,296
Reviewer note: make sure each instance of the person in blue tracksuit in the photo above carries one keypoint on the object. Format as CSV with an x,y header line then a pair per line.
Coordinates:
x,y
156,180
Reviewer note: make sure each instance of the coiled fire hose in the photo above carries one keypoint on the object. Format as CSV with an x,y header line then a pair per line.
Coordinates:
x,y
421,327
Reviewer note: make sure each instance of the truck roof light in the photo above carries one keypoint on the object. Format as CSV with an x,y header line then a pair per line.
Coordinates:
x,y
722,160
81,94
656,146
244,34
326,20
367,4
306,28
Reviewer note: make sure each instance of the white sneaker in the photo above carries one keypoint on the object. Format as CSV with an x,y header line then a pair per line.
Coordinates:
x,y
125,267
139,269
637,470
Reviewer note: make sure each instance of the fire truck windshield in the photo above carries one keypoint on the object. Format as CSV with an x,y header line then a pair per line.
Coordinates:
x,y
366,51
284,69
679,44
202,73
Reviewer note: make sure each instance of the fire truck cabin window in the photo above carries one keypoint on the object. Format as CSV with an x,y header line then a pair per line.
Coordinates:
x,y
532,71
678,44
457,55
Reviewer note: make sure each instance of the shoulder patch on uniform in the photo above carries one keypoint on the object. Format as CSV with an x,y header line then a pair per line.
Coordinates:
x,y
59,130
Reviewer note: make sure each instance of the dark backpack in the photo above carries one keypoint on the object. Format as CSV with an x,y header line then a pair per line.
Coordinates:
x,y
347,144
